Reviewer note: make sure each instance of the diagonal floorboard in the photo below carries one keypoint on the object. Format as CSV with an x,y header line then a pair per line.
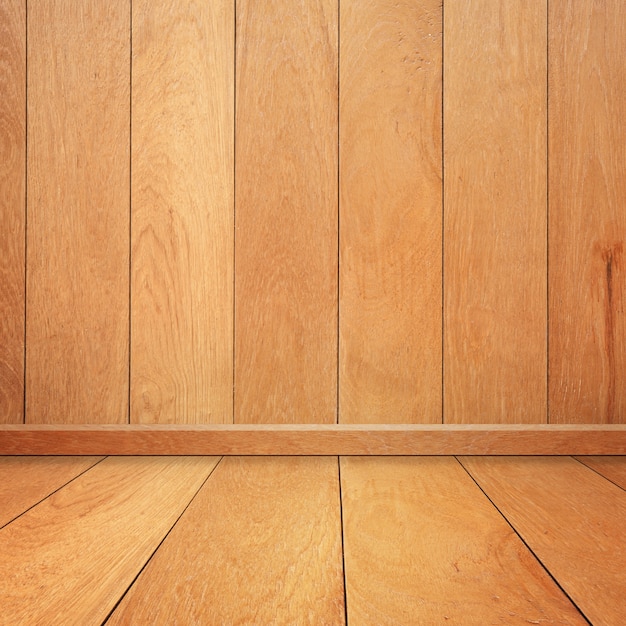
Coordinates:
x,y
26,480
69,559
573,519
613,468
258,540
261,544
424,546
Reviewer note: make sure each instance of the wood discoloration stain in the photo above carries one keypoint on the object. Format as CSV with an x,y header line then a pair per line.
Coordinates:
x,y
611,257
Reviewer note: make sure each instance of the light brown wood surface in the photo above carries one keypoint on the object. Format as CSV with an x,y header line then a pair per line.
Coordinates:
x,y
12,208
78,211
286,212
423,546
182,212
612,468
390,212
314,439
495,211
587,212
567,514
79,550
25,481
261,544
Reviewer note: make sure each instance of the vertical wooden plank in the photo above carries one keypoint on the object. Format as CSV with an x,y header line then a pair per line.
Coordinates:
x,y
424,546
587,211
495,181
72,557
182,212
247,552
571,518
286,212
12,216
78,211
390,211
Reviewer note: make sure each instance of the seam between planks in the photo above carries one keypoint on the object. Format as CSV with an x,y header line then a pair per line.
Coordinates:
x,y
130,212
343,552
234,321
338,203
547,211
165,536
25,202
65,484
556,582
598,472
443,210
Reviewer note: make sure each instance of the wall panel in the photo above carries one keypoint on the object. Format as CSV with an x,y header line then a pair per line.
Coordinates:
x,y
286,211
587,211
78,211
12,208
495,211
182,212
390,211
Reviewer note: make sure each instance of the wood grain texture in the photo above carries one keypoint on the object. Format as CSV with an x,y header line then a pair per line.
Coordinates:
x,y
390,212
495,212
247,552
612,468
25,481
572,519
80,549
313,439
78,211
182,212
286,212
424,546
587,215
12,208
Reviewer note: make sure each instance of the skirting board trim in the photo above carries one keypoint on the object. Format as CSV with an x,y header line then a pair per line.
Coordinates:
x,y
313,439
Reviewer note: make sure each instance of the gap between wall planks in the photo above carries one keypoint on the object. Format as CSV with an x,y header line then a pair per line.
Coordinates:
x,y
12,199
314,439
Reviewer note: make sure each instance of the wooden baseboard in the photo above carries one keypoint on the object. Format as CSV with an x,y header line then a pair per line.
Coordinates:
x,y
318,439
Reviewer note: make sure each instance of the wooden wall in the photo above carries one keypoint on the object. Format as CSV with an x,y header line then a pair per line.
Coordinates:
x,y
366,211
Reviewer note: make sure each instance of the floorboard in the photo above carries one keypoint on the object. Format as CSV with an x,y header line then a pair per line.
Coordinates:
x,y
25,481
424,546
266,540
572,519
261,544
613,468
72,556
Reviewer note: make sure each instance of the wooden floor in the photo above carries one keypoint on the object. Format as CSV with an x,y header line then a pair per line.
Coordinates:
x,y
312,540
